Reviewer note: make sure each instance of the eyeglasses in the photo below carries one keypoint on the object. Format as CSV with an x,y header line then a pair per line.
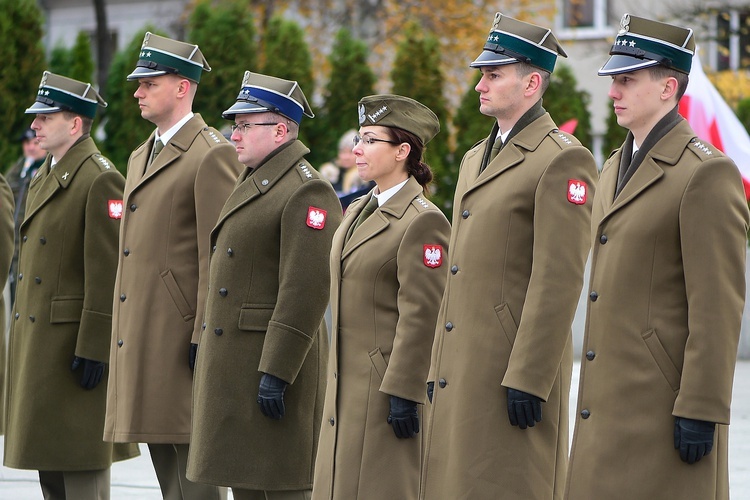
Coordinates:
x,y
369,140
244,127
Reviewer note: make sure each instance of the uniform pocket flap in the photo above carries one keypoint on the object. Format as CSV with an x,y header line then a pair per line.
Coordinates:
x,y
66,310
662,359
255,318
378,362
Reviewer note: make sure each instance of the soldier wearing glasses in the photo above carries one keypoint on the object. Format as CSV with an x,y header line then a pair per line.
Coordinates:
x,y
260,371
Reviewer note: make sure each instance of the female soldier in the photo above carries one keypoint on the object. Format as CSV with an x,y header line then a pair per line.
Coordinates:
x,y
387,279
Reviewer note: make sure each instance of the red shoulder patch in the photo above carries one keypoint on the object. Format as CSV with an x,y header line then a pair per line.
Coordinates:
x,y
115,209
577,191
432,255
316,217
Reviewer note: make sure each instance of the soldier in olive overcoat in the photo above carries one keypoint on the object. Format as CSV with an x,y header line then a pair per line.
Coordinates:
x,y
6,256
387,277
666,292
177,182
62,316
260,370
502,357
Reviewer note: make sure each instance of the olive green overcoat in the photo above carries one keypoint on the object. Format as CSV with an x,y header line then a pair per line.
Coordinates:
x,y
63,309
519,241
162,279
268,291
668,276
386,285
6,248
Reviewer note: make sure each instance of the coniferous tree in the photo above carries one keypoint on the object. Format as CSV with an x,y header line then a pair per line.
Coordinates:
x,y
124,127
225,33
416,73
351,79
23,61
60,59
470,125
287,56
81,60
564,101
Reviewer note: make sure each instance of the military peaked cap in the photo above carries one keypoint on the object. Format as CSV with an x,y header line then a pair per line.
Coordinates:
x,y
263,93
642,43
511,41
60,93
163,56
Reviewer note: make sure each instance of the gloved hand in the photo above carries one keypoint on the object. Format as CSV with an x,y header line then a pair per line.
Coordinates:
x,y
192,355
524,409
430,390
694,438
92,371
271,396
403,417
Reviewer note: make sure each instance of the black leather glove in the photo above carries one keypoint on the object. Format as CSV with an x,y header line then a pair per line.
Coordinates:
x,y
524,409
694,438
271,396
92,371
193,354
430,390
403,417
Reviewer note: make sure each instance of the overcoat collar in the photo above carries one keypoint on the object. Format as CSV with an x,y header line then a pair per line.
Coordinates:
x,y
394,208
177,146
663,155
257,182
48,182
513,152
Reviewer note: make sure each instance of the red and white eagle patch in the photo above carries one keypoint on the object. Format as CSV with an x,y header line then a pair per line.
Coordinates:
x,y
577,191
433,255
115,209
316,217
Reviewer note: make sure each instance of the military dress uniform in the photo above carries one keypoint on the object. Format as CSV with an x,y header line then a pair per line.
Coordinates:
x,y
268,291
666,296
63,306
387,277
6,255
519,241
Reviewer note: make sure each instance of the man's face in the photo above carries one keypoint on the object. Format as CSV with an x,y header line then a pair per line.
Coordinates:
x,y
53,130
31,149
637,100
254,137
500,91
157,97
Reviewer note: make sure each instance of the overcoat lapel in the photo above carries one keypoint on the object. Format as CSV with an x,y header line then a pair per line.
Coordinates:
x,y
512,154
252,184
380,219
48,182
665,152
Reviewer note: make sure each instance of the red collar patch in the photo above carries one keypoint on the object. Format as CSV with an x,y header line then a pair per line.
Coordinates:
x,y
115,209
432,255
316,217
577,191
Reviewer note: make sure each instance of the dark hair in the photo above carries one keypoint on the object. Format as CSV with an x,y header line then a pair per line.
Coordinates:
x,y
659,72
525,69
414,164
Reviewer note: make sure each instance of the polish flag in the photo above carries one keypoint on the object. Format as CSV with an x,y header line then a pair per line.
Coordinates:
x,y
714,121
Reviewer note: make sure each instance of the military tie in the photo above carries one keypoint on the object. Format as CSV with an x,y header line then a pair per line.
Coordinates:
x,y
158,146
363,215
496,147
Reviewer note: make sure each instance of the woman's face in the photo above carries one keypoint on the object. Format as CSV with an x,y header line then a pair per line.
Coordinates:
x,y
379,158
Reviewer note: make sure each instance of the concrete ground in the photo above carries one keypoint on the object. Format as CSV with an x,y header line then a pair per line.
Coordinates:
x,y
135,479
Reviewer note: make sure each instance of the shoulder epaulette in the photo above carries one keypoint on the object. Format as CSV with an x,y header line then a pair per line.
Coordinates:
x,y
563,139
105,163
702,150
304,171
213,135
